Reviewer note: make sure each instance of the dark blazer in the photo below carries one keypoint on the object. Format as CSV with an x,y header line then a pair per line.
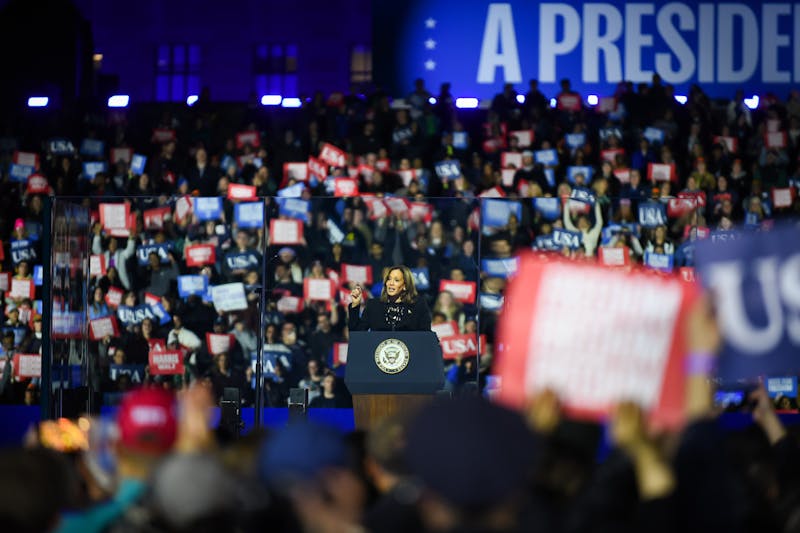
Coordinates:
x,y
415,317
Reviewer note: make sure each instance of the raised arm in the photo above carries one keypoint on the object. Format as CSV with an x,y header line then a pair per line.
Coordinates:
x,y
568,218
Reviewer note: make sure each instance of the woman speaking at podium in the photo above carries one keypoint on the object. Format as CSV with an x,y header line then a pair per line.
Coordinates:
x,y
399,308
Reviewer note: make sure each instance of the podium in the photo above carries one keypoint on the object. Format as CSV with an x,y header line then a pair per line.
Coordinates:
x,y
392,371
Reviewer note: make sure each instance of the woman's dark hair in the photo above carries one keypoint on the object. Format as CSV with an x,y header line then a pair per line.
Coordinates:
x,y
409,295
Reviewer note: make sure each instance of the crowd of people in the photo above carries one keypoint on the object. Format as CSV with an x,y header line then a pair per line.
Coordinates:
x,y
191,203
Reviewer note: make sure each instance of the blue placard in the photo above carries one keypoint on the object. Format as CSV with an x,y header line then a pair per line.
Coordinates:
x,y
753,281
38,275
242,260
495,213
662,262
782,386
91,168
93,148
138,163
37,306
292,191
23,250
575,140
479,46
566,239
460,140
162,250
490,302
550,208
500,268
422,278
545,242
588,173
652,214
582,194
294,207
162,315
724,236
654,135
61,147
209,208
227,162
135,315
550,176
448,170
188,285
134,372
249,215
20,173
614,131
546,157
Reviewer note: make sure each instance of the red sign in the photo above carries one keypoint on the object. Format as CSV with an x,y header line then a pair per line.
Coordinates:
x,y
333,156
29,159
375,207
614,256
97,265
569,102
357,273
200,255
677,207
775,139
318,289
687,274
290,304
596,337
114,297
339,353
237,191
163,135
116,218
345,187
610,154
219,342
154,218
248,137
782,197
661,172
100,328
317,168
157,345
524,137
458,346
295,171
285,231
421,212
21,289
27,365
445,329
38,184
463,291
168,362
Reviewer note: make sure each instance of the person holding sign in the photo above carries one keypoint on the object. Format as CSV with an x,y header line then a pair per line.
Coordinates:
x,y
589,233
399,308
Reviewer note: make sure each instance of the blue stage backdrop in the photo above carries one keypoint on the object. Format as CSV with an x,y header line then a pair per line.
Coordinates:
x,y
478,46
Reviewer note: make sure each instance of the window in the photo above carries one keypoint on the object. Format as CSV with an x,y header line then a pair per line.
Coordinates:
x,y
361,64
275,69
177,72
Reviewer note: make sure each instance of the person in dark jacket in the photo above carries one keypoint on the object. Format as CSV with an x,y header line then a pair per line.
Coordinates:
x,y
399,308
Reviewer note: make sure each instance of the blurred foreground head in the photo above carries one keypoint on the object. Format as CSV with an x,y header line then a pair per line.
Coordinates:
x,y
472,458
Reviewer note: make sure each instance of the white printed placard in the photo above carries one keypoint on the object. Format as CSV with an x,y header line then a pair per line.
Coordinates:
x,y
282,231
318,289
100,328
524,137
21,289
357,273
229,297
511,159
27,365
97,265
463,291
445,329
290,304
115,217
219,342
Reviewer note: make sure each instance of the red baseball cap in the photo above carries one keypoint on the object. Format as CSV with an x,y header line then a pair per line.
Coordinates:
x,y
147,421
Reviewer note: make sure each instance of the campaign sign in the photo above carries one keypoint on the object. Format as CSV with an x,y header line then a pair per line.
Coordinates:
x,y
592,371
345,187
27,365
134,372
188,285
154,218
546,157
445,329
290,304
491,302
463,291
661,172
317,169
783,391
339,353
361,274
219,342
652,214
38,275
23,250
495,213
20,173
249,215
653,135
545,243
282,231
61,147
566,239
318,289
583,195
114,297
92,148
237,191
296,171
294,208
250,137
511,159
162,316
229,297
573,171
782,197
200,255
524,137
448,170
575,140
121,154
183,208
115,217
165,363
242,260
292,191
662,262
754,281
616,256
29,159
500,268
333,156
21,289
100,328
422,278
161,250
92,168
458,346
549,208
130,316
207,208
138,163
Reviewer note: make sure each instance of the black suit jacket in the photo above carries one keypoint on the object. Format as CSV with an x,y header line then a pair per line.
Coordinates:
x,y
416,317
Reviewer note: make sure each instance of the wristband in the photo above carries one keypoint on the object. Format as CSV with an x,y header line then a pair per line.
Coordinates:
x,y
700,364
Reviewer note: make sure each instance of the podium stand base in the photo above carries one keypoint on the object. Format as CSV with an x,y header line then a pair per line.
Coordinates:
x,y
370,409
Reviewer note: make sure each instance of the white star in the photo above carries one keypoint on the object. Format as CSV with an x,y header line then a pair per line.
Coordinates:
x,y
430,44
430,64
430,23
